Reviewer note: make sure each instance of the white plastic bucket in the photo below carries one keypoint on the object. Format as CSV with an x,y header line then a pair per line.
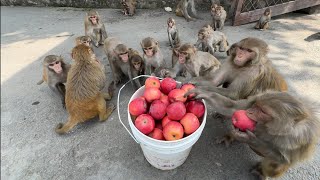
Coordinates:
x,y
164,155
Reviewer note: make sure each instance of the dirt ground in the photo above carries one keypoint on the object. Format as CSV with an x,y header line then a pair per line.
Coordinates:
x,y
30,149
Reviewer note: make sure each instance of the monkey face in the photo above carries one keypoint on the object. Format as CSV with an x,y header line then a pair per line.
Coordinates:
x,y
93,19
148,51
137,65
170,24
243,55
259,114
182,57
124,57
56,67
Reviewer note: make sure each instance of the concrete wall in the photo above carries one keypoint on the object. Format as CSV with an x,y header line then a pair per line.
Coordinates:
x,y
148,4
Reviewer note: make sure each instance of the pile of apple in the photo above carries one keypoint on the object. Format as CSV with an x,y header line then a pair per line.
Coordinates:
x,y
163,113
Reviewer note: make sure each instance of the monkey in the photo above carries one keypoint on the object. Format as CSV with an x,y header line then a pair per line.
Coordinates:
x,y
137,66
152,55
129,7
118,57
247,72
218,17
182,10
173,33
209,39
286,130
264,20
55,72
196,63
94,28
86,40
84,98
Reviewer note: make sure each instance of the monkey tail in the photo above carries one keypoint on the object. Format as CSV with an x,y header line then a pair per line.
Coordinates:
x,y
64,128
40,82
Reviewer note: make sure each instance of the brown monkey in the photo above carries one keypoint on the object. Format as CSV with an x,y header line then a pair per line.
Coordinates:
x,y
247,72
218,16
55,72
86,40
264,20
173,33
84,98
94,28
196,63
137,66
182,10
286,129
118,58
152,55
209,39
129,7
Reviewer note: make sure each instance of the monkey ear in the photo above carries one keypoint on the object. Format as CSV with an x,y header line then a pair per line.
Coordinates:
x,y
157,43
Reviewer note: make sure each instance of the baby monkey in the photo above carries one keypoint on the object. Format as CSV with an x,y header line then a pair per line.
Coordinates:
x,y
173,33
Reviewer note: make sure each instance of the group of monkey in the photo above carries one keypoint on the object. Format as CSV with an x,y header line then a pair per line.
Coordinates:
x,y
287,129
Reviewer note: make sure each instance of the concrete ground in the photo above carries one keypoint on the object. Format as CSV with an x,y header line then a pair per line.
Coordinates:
x,y
30,149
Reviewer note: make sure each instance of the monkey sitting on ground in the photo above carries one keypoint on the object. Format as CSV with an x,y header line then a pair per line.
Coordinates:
x,y
118,58
129,7
152,55
173,33
182,10
286,130
55,72
94,28
264,20
209,40
247,72
84,96
137,66
218,17
86,40
195,63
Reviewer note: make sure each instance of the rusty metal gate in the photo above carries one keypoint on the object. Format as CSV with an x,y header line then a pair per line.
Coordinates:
x,y
247,11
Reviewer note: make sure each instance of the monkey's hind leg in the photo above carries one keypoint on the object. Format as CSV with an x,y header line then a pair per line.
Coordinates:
x,y
269,168
104,111
64,128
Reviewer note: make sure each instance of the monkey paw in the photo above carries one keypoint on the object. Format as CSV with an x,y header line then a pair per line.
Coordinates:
x,y
257,171
226,140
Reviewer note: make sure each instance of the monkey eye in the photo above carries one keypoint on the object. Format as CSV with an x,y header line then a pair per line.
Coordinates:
x,y
123,53
149,48
52,64
249,50
92,17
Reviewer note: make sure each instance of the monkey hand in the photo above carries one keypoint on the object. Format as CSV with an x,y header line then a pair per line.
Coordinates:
x,y
245,137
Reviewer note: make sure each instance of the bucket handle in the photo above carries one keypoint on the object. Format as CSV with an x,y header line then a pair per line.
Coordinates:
x,y
118,100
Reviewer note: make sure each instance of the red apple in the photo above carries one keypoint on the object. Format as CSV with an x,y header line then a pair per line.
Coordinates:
x,y
152,82
138,106
156,134
167,84
165,121
188,87
152,94
242,121
176,110
157,109
177,95
190,123
173,131
196,107
165,99
144,123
